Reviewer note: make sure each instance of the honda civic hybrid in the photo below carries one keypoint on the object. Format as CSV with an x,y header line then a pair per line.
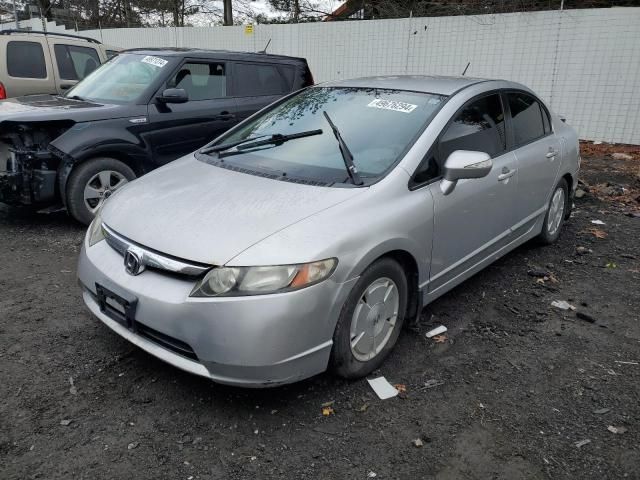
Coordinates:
x,y
302,239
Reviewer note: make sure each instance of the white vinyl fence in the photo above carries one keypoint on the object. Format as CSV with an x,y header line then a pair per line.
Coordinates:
x,y
584,63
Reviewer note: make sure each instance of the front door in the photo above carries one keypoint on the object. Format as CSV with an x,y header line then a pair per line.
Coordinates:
x,y
474,221
177,129
72,61
538,155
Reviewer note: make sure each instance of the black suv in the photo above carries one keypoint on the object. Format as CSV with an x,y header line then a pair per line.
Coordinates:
x,y
140,110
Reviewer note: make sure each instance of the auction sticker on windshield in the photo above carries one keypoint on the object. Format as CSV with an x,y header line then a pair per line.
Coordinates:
x,y
155,61
392,105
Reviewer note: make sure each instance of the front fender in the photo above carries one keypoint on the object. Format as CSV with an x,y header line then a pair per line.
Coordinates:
x,y
89,140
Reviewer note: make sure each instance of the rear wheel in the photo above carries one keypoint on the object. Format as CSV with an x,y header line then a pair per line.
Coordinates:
x,y
556,212
91,183
371,320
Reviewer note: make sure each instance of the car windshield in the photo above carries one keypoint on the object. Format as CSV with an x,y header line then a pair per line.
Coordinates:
x,y
377,125
122,79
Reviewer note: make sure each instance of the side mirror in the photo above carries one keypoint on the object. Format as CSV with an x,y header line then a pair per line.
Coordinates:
x,y
173,95
464,164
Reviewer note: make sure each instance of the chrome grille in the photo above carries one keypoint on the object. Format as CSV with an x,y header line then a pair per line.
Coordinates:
x,y
151,258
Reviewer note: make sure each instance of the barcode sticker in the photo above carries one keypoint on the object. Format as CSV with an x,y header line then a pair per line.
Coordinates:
x,y
155,61
392,105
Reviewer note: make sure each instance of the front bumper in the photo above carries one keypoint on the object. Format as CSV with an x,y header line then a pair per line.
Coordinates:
x,y
255,341
33,187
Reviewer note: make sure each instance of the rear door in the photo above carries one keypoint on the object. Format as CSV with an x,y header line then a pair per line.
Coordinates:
x,y
256,85
180,128
27,67
73,61
538,155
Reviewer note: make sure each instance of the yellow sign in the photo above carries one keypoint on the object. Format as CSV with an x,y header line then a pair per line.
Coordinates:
x,y
248,29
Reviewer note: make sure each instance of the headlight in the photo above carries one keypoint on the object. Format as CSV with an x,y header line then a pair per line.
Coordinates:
x,y
96,233
238,281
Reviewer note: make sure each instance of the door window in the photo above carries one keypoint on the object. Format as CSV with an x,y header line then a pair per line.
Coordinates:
x,y
479,126
26,60
75,63
526,112
201,81
252,80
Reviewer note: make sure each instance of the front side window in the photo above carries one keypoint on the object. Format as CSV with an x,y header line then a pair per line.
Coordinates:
x,y
252,80
26,60
75,63
528,124
378,126
201,81
122,79
480,126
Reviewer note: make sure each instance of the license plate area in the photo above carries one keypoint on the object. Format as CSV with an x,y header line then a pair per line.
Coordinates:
x,y
116,307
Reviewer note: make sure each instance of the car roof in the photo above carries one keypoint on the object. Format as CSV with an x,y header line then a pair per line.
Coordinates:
x,y
213,54
441,85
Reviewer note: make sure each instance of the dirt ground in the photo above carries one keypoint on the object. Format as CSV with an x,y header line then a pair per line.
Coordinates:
x,y
520,389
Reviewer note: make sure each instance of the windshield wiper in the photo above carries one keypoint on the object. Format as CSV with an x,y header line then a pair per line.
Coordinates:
x,y
76,97
248,143
346,153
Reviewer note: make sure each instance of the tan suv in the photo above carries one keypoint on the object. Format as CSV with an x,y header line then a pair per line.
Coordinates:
x,y
41,62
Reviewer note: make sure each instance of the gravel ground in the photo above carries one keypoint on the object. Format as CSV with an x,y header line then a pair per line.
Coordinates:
x,y
519,390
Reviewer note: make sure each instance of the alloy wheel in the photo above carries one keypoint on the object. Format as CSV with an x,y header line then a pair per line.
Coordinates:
x,y
556,211
100,187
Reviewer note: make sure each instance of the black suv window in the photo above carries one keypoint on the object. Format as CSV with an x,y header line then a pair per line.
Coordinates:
x,y
252,80
479,126
201,81
75,63
26,60
526,112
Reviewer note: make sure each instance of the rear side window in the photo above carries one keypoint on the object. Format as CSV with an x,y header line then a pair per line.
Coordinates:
x,y
479,126
526,112
289,74
201,81
26,60
252,80
75,63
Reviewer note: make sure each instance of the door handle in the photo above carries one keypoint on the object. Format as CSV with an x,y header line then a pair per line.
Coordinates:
x,y
224,116
551,154
506,173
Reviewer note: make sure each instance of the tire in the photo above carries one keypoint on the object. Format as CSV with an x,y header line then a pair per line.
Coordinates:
x,y
92,177
350,361
551,229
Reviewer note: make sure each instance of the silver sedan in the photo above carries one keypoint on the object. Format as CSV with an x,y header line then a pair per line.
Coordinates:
x,y
302,239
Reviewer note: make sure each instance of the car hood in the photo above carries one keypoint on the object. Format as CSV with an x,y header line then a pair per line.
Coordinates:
x,y
39,108
203,213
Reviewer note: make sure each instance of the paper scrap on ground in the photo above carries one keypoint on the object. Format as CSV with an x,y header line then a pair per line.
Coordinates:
x,y
598,222
382,388
436,331
562,305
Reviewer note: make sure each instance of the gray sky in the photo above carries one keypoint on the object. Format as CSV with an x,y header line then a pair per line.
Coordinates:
x,y
262,6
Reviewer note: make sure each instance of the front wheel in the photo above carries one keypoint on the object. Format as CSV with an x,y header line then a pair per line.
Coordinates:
x,y
554,219
91,183
371,320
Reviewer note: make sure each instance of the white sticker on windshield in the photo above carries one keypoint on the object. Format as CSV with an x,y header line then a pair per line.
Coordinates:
x,y
155,61
392,105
